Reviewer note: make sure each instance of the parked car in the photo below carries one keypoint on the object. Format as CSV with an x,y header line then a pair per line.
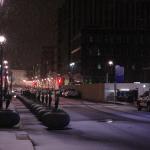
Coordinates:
x,y
71,93
63,92
144,101
17,90
127,96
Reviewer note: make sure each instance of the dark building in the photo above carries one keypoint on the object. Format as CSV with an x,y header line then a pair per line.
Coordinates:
x,y
47,61
63,52
92,32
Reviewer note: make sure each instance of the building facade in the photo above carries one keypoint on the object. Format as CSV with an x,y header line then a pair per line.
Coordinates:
x,y
48,62
92,32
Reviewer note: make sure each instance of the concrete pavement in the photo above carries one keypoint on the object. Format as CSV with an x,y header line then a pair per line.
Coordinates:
x,y
11,141
85,132
14,138
102,127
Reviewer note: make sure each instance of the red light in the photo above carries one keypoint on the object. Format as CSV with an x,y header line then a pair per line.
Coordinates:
x,y
34,83
60,81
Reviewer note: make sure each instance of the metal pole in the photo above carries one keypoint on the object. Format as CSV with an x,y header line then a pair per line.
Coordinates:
x,y
107,77
5,85
11,81
1,82
115,91
115,85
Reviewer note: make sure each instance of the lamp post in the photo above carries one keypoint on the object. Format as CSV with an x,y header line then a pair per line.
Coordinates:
x,y
11,80
2,41
72,65
5,79
110,64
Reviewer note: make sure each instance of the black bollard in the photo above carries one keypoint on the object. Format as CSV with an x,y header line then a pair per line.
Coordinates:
x,y
38,97
8,100
46,99
56,101
50,101
42,98
7,103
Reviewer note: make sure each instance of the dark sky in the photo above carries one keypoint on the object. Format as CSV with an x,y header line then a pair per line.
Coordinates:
x,y
28,25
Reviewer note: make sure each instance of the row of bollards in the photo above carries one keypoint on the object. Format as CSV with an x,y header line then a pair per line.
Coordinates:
x,y
51,116
43,98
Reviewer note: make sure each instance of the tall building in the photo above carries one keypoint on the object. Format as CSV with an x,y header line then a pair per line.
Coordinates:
x,y
47,61
63,52
92,32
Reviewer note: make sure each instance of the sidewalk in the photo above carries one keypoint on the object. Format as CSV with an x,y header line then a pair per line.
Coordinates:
x,y
14,138
10,141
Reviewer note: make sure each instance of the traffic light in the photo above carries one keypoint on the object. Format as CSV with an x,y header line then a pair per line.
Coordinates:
x,y
60,81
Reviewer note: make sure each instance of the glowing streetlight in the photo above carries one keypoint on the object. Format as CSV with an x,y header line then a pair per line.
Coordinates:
x,y
2,39
72,70
24,81
110,63
5,62
72,64
144,86
6,67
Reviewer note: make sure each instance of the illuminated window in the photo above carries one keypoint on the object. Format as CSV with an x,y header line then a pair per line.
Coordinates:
x,y
98,52
99,66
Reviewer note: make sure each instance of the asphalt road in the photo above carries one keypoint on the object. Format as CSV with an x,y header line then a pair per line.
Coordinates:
x,y
93,126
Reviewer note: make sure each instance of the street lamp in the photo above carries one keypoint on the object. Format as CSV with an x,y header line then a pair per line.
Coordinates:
x,y
5,62
5,78
110,64
2,41
72,65
6,67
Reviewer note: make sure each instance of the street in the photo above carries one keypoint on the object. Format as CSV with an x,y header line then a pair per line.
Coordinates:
x,y
96,51
93,126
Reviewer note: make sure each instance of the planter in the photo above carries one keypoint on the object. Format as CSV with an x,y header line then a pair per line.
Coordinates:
x,y
9,118
41,112
36,110
56,119
51,118
34,105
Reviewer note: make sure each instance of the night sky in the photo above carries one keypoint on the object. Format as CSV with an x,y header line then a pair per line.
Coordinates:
x,y
28,25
